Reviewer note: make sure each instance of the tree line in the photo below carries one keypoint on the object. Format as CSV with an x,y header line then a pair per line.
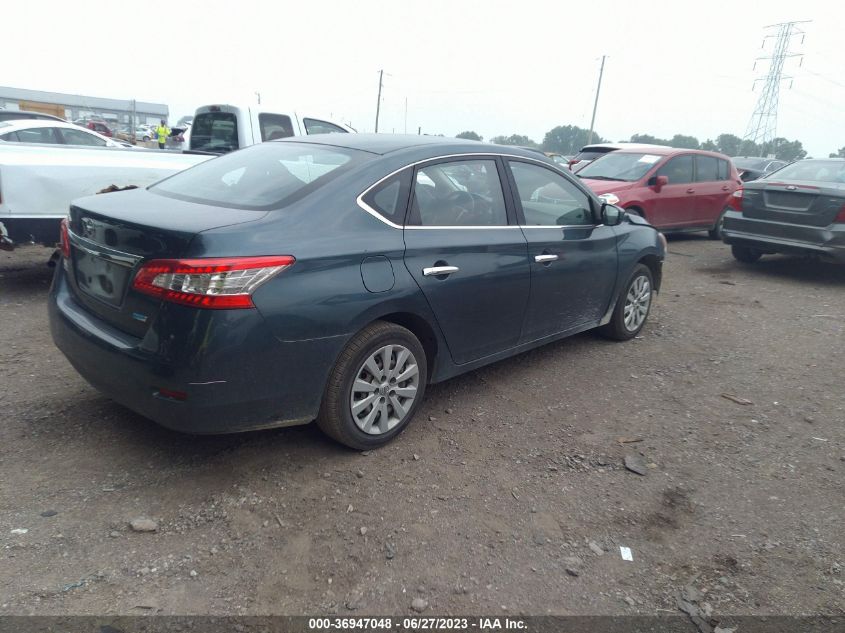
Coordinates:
x,y
568,139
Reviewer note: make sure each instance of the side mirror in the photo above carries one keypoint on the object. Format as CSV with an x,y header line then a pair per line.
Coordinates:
x,y
611,215
658,182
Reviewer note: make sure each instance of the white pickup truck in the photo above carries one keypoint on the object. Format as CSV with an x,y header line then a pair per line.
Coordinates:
x,y
38,182
218,129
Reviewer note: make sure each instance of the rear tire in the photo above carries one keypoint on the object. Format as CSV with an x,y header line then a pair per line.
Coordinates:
x,y
632,306
716,232
375,387
745,254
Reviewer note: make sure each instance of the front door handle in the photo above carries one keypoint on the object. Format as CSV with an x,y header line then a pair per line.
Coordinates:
x,y
436,271
690,190
543,259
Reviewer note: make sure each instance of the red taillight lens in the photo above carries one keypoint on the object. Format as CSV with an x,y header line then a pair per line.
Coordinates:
x,y
218,283
65,239
736,200
840,217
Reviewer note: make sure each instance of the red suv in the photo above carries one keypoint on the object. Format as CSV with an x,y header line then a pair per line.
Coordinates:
x,y
674,189
100,128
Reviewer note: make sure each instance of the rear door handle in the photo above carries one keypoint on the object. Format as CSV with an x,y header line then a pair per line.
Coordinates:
x,y
690,190
542,259
726,188
436,271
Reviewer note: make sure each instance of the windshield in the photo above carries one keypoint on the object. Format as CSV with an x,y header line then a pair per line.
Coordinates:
x,y
627,167
215,132
813,170
261,177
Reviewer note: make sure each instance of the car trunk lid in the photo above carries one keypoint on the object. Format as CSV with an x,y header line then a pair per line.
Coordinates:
x,y
796,202
113,234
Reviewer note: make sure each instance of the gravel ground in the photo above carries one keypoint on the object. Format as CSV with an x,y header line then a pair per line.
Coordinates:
x,y
507,495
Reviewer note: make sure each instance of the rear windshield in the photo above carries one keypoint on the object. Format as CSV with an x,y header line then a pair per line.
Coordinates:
x,y
628,167
813,170
215,132
261,177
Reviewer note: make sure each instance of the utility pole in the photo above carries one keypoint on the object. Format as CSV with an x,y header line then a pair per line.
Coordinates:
x,y
762,127
596,104
378,103
258,96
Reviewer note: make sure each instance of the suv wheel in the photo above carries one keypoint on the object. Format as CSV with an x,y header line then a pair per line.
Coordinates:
x,y
375,387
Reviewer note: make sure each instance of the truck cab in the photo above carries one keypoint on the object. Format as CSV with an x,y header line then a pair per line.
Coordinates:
x,y
218,129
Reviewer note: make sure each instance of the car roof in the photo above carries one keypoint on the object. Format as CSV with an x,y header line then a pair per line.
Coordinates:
x,y
662,150
31,123
28,114
387,143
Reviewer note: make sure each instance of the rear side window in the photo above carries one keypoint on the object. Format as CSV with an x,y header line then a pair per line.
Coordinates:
x,y
390,198
678,170
78,137
315,126
274,126
706,168
262,177
215,132
724,169
38,135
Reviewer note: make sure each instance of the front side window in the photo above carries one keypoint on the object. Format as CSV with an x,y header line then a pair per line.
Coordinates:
x,y
678,170
458,193
215,132
78,137
706,168
262,177
548,198
624,166
38,135
274,126
315,126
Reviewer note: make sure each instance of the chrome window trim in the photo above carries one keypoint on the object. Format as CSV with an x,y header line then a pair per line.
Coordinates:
x,y
380,217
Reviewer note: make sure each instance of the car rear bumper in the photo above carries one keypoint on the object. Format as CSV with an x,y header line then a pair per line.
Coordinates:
x,y
236,376
780,237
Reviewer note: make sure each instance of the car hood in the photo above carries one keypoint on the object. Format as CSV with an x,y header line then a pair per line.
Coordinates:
x,y
599,187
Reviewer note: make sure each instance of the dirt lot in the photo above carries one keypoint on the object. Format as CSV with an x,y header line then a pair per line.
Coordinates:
x,y
508,477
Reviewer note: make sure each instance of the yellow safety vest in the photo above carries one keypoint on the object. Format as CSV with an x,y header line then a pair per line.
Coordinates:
x,y
162,131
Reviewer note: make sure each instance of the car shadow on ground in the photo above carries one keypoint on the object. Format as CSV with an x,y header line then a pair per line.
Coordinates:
x,y
787,268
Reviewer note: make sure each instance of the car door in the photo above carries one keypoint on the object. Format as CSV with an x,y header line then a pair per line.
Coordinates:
x,y
573,260
467,254
711,192
674,204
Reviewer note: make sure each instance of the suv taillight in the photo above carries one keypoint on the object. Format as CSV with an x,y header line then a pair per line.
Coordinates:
x,y
218,283
736,200
64,239
840,217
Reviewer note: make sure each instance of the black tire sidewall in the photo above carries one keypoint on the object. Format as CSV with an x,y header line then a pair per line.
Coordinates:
x,y
351,434
618,323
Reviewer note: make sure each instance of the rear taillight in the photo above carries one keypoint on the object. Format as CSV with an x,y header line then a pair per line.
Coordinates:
x,y
219,283
736,200
840,217
65,239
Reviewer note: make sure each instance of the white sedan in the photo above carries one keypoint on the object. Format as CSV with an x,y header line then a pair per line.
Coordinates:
x,y
53,133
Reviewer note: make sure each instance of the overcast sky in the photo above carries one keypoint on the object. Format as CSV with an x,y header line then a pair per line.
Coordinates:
x,y
496,67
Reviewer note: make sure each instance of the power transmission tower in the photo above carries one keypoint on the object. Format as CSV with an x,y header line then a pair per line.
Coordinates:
x,y
762,128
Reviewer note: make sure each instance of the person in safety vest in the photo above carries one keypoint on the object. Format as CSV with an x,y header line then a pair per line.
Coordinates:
x,y
162,131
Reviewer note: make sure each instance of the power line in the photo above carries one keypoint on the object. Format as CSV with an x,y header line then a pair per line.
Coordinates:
x,y
762,127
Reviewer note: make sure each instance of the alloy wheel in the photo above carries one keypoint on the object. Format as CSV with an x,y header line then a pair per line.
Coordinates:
x,y
637,302
384,389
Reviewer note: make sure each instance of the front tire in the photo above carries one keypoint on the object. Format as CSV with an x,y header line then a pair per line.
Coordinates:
x,y
375,387
632,306
745,254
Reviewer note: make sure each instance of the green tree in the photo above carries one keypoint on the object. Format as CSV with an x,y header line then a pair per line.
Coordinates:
x,y
514,139
783,149
471,136
839,154
748,148
728,144
648,138
710,146
684,142
568,139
